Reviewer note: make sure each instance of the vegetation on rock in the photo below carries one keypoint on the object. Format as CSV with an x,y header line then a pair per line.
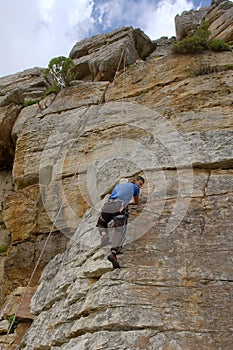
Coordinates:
x,y
32,102
199,42
13,322
3,248
60,69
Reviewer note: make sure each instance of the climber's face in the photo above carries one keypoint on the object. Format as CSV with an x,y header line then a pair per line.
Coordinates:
x,y
139,183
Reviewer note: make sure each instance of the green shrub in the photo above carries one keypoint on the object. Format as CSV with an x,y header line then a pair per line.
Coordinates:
x,y
54,89
15,323
3,248
32,102
60,69
199,42
201,68
190,45
218,45
203,32
228,67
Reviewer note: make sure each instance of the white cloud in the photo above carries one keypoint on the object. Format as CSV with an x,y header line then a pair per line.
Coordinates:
x,y
80,19
163,23
17,20
156,18
35,31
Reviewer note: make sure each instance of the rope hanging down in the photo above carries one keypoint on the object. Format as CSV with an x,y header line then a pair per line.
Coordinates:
x,y
122,57
122,106
60,208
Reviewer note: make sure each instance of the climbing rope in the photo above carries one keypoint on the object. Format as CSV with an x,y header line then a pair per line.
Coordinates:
x,y
122,124
123,56
30,279
122,106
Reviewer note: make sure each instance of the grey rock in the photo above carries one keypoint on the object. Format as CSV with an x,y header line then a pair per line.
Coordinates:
x,y
6,188
24,115
15,96
101,56
153,300
163,47
31,82
174,288
111,340
8,115
217,2
187,23
4,326
218,16
2,279
143,44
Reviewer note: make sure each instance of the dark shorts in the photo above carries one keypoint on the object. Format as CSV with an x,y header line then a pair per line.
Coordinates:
x,y
113,210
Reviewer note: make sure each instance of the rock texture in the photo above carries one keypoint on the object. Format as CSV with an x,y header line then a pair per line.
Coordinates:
x,y
6,188
169,293
98,58
167,117
8,115
218,16
31,82
220,21
187,23
18,302
175,272
16,265
15,89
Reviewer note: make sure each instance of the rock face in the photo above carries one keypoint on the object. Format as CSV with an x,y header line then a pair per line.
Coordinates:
x,y
98,58
6,188
187,23
18,303
15,89
220,21
166,117
176,271
31,82
8,115
15,264
218,16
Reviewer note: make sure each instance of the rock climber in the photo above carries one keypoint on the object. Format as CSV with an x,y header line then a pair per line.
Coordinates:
x,y
116,208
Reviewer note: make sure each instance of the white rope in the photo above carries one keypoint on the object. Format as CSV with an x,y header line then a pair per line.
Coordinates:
x,y
59,211
119,64
31,277
122,106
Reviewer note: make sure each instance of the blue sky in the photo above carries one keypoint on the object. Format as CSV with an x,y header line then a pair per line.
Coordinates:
x,y
113,14
34,31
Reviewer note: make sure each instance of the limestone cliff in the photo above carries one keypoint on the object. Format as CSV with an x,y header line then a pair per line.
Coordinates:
x,y
134,108
218,16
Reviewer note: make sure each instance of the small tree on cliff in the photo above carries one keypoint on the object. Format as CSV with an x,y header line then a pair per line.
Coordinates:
x,y
60,70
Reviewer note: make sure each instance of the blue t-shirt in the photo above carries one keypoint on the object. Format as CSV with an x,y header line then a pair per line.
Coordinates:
x,y
125,192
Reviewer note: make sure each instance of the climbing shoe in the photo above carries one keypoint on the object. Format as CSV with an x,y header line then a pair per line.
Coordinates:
x,y
113,259
118,250
104,241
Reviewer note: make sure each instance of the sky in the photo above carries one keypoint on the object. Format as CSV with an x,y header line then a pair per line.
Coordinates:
x,y
35,31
